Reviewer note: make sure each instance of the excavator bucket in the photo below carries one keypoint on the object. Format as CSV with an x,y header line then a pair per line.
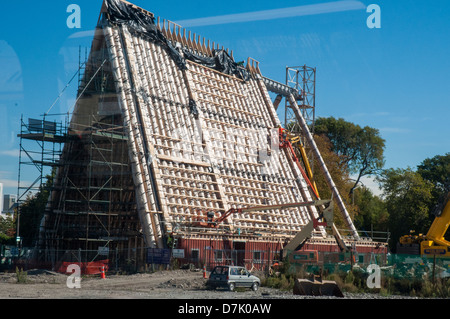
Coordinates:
x,y
307,287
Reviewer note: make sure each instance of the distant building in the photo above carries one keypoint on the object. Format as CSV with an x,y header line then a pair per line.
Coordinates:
x,y
1,198
9,203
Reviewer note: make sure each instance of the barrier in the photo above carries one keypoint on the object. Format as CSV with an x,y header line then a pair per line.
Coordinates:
x,y
87,268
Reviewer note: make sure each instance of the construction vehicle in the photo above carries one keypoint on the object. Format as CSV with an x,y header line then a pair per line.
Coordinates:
x,y
287,140
315,286
325,218
291,250
433,244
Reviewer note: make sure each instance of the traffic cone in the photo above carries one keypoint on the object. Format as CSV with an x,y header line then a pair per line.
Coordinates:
x,y
102,273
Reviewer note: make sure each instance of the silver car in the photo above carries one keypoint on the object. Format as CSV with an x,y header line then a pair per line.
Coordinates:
x,y
232,277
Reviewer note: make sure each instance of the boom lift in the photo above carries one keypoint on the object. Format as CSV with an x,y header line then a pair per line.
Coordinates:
x,y
288,141
433,243
302,286
325,218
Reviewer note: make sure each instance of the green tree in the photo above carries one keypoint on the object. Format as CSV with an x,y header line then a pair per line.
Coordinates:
x,y
338,171
437,171
361,149
7,231
371,212
31,213
407,197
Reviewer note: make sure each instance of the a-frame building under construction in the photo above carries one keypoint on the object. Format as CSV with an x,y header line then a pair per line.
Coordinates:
x,y
170,134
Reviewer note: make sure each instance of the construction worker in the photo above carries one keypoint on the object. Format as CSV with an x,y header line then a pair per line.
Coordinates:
x,y
211,216
283,137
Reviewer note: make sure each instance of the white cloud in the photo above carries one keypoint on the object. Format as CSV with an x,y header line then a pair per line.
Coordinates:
x,y
370,115
370,183
9,183
82,34
11,153
395,130
305,10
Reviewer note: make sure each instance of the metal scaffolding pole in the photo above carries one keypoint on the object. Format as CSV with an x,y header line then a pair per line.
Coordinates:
x,y
323,167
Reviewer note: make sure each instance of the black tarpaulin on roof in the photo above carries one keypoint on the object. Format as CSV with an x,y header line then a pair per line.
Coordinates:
x,y
221,62
123,13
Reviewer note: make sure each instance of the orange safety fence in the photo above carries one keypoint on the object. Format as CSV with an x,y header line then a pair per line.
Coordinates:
x,y
87,268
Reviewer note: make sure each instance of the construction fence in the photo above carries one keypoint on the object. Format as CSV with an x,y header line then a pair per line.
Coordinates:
x,y
132,260
417,267
148,259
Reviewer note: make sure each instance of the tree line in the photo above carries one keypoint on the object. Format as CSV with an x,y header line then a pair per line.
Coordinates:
x,y
409,196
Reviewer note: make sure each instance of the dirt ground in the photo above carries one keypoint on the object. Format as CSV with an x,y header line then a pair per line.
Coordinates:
x,y
177,284
175,294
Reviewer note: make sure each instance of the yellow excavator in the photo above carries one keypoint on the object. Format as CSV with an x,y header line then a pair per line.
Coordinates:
x,y
433,243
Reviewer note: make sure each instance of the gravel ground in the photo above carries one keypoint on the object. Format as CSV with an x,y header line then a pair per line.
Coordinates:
x,y
173,294
179,284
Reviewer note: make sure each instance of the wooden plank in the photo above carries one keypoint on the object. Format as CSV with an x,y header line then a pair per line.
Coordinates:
x,y
151,179
112,37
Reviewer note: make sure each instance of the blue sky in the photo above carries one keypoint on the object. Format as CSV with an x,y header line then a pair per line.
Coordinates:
x,y
395,78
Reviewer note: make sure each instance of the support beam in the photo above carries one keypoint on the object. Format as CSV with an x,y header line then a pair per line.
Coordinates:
x,y
281,89
323,167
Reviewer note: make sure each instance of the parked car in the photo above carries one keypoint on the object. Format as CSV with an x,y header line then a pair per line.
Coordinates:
x,y
232,277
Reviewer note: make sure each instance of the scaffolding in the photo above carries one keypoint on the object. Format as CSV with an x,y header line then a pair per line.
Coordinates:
x,y
301,79
93,200
93,203
40,147
301,85
40,143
